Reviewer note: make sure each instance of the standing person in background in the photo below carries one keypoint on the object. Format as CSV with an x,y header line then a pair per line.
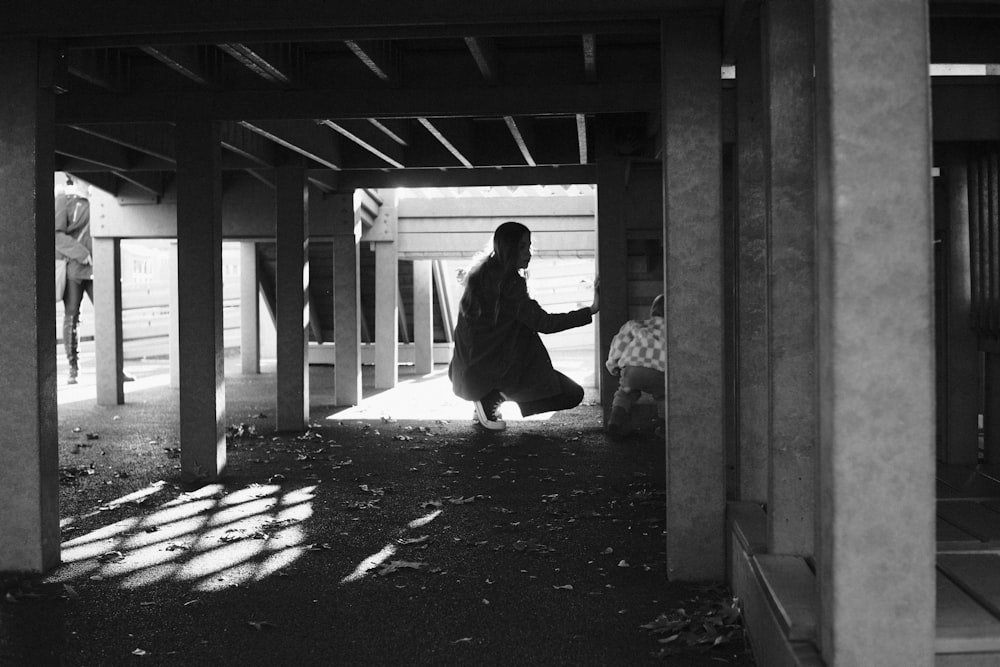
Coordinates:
x,y
499,355
637,356
73,243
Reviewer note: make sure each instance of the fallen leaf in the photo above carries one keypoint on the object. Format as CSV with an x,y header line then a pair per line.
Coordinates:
x,y
413,540
139,651
260,625
396,565
564,587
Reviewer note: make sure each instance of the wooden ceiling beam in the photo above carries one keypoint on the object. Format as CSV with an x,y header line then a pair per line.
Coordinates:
x,y
75,144
523,134
497,101
304,137
370,138
280,64
197,63
449,146
153,139
581,137
379,56
251,145
484,52
104,68
466,177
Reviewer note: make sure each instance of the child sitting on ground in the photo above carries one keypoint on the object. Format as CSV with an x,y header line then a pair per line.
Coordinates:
x,y
638,357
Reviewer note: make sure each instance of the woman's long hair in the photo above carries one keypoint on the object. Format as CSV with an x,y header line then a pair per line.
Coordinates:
x,y
497,266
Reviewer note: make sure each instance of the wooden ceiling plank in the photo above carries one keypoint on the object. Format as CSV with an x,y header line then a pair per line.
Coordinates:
x,y
277,63
378,55
484,52
590,57
250,145
303,137
156,140
518,129
496,101
353,132
437,134
104,68
191,62
75,144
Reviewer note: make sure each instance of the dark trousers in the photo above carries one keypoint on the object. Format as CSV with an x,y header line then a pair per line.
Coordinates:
x,y
72,298
569,396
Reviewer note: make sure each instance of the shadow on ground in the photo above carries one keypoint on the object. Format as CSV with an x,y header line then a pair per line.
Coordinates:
x,y
417,542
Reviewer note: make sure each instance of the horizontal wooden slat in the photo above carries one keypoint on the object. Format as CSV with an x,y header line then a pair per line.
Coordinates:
x,y
792,589
968,482
963,625
972,517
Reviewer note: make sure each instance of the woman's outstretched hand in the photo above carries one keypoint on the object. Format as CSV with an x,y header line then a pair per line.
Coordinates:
x,y
596,305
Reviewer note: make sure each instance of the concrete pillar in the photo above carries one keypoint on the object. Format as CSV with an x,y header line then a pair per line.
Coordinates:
x,y
199,301
292,296
788,39
107,256
612,247
174,331
692,204
754,392
29,453
961,444
249,310
386,307
423,316
346,301
875,535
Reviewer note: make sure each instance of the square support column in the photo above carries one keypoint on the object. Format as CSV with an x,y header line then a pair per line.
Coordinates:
x,y
383,234
612,249
249,310
108,320
961,445
346,301
791,500
752,322
199,301
876,528
692,207
29,451
423,316
292,297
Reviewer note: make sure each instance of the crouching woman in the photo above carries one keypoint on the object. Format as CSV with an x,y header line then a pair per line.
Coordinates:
x,y
499,355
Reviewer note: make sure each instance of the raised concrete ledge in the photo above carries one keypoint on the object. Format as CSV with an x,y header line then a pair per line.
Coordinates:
x,y
776,607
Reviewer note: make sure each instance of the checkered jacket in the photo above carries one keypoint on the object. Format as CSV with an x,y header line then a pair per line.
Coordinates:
x,y
638,343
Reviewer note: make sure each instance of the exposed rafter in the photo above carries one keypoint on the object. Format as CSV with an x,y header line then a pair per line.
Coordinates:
x,y
192,62
354,131
378,56
104,68
437,134
303,137
278,64
522,134
581,137
590,57
484,51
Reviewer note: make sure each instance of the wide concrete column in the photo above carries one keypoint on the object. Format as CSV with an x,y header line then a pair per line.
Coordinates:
x,y
249,310
875,330
752,321
108,320
29,454
199,301
292,296
961,444
346,300
423,316
692,203
612,249
789,48
383,234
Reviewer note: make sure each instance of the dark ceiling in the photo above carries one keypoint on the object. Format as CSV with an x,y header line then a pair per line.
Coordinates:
x,y
381,93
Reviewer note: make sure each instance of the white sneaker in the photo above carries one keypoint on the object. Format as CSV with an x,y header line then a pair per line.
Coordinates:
x,y
486,412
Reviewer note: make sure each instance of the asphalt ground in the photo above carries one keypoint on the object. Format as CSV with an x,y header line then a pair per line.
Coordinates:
x,y
372,538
